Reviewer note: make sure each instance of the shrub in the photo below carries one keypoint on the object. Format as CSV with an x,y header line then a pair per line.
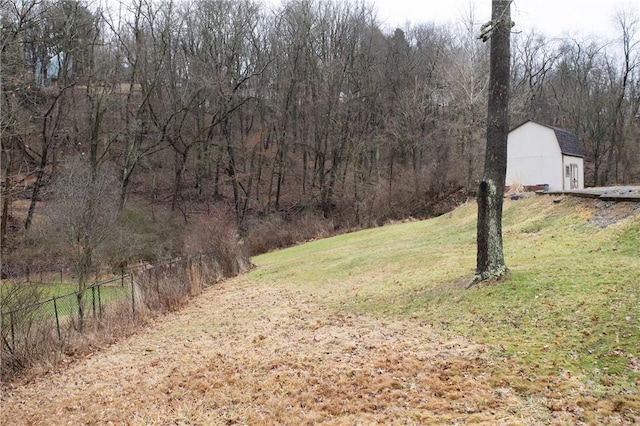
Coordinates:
x,y
279,230
37,250
142,236
19,302
218,237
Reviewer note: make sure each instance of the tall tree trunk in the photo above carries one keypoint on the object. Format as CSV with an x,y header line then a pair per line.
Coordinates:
x,y
231,167
47,138
84,268
36,187
133,152
281,171
181,158
6,200
490,256
305,166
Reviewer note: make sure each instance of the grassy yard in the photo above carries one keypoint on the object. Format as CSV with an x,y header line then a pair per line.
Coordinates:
x,y
570,306
378,327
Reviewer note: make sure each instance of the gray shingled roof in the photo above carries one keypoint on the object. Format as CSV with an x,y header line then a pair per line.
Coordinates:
x,y
568,142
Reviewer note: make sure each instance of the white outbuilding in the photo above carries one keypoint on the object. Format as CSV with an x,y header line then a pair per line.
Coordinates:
x,y
541,156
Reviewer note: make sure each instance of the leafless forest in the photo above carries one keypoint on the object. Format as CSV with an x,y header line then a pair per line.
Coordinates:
x,y
152,129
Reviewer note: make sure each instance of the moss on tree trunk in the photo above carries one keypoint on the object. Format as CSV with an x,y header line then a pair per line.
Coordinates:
x,y
490,259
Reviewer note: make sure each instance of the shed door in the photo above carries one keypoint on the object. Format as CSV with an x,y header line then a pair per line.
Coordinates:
x,y
574,176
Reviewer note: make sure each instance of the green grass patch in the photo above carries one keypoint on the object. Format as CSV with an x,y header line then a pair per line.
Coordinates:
x,y
66,302
570,304
98,297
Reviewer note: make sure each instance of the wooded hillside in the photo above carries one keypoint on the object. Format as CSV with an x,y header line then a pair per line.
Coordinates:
x,y
159,124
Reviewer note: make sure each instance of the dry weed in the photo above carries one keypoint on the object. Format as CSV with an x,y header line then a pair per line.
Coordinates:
x,y
247,354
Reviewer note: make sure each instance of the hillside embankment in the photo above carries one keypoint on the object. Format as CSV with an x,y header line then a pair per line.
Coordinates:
x,y
375,327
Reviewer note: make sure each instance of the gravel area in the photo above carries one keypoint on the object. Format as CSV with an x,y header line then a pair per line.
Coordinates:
x,y
612,193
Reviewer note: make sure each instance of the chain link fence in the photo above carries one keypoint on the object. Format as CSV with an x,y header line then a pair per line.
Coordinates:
x,y
42,331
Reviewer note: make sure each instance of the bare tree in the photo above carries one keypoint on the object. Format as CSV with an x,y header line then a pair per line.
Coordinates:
x,y
15,20
490,259
136,81
60,46
84,211
534,58
582,101
629,25
465,106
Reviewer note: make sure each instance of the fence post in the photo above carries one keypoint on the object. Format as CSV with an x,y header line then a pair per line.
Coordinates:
x,y
133,299
122,276
99,303
55,310
13,342
93,300
157,281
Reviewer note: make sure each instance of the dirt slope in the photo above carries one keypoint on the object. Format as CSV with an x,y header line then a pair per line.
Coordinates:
x,y
247,354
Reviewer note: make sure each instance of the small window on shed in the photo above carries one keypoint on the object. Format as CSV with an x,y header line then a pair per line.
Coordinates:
x,y
567,171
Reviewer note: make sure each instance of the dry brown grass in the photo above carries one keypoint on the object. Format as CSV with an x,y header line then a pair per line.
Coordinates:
x,y
284,345
249,354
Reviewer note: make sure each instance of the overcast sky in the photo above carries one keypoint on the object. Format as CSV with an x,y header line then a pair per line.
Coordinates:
x,y
551,17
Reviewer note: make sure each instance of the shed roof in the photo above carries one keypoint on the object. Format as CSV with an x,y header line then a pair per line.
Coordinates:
x,y
568,142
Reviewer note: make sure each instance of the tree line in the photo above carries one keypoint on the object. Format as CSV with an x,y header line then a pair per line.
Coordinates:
x,y
309,107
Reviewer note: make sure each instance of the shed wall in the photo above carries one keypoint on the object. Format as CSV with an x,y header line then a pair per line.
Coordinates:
x,y
534,157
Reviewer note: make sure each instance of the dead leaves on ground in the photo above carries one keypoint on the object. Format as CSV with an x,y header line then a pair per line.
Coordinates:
x,y
257,355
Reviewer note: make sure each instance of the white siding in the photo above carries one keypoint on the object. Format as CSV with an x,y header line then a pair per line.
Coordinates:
x,y
578,183
534,157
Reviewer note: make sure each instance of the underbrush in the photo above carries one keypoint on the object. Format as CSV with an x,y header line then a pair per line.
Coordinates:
x,y
279,231
38,333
